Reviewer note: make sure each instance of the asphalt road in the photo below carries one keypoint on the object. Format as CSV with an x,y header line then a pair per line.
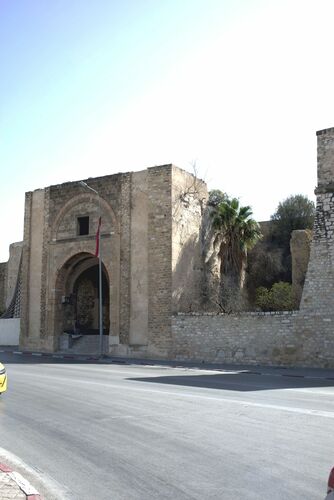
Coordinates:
x,y
111,432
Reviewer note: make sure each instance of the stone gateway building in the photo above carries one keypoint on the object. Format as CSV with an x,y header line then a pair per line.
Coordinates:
x,y
154,274
150,253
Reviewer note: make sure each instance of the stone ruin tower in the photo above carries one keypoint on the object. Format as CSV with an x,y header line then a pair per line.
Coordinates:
x,y
315,322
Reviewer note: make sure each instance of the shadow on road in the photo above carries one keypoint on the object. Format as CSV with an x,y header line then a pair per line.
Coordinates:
x,y
243,382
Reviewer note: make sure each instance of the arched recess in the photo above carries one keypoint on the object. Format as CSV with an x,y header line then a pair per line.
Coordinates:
x,y
100,204
69,255
76,296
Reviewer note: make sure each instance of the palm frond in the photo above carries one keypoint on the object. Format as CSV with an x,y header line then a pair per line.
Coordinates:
x,y
238,231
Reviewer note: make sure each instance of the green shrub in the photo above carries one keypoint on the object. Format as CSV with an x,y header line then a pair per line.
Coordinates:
x,y
278,298
262,296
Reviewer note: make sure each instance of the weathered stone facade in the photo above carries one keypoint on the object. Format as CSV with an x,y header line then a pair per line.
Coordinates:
x,y
141,241
153,253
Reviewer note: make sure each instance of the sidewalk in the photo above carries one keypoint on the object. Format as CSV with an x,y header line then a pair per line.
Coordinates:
x,y
13,486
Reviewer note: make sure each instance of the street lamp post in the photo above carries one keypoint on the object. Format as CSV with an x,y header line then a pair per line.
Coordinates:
x,y
82,183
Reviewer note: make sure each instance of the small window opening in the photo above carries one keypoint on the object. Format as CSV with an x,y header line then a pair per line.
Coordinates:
x,y
83,226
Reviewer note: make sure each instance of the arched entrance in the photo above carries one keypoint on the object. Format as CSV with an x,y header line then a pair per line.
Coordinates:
x,y
77,297
85,301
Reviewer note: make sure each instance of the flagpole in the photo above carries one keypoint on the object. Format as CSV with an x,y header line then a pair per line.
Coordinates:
x,y
100,291
100,271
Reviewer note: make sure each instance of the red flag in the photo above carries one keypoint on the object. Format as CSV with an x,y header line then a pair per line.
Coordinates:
x,y
97,248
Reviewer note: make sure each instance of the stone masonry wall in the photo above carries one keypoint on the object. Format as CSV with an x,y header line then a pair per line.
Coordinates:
x,y
253,338
318,294
279,338
125,263
33,300
139,260
159,181
314,324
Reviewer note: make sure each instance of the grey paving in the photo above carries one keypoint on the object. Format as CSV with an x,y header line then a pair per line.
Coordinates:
x,y
113,431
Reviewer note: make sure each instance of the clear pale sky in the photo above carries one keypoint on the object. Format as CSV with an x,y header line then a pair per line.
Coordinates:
x,y
90,88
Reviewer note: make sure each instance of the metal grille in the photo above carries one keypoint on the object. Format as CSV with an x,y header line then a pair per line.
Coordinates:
x,y
14,308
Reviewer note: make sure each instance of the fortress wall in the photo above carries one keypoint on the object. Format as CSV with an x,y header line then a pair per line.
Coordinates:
x,y
318,293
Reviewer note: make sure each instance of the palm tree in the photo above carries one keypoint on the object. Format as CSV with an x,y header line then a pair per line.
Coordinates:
x,y
235,233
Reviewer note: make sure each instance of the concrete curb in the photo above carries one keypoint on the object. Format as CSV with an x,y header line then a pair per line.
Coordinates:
x,y
80,357
14,486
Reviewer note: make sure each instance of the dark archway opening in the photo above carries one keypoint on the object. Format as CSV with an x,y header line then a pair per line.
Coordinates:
x,y
81,314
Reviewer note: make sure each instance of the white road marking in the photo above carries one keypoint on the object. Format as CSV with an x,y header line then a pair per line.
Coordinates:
x,y
23,484
42,480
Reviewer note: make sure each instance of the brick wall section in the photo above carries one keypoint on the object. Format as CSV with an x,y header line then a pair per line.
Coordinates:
x,y
125,259
159,259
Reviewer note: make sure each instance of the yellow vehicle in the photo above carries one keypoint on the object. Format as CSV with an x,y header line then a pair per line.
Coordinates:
x,y
3,378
